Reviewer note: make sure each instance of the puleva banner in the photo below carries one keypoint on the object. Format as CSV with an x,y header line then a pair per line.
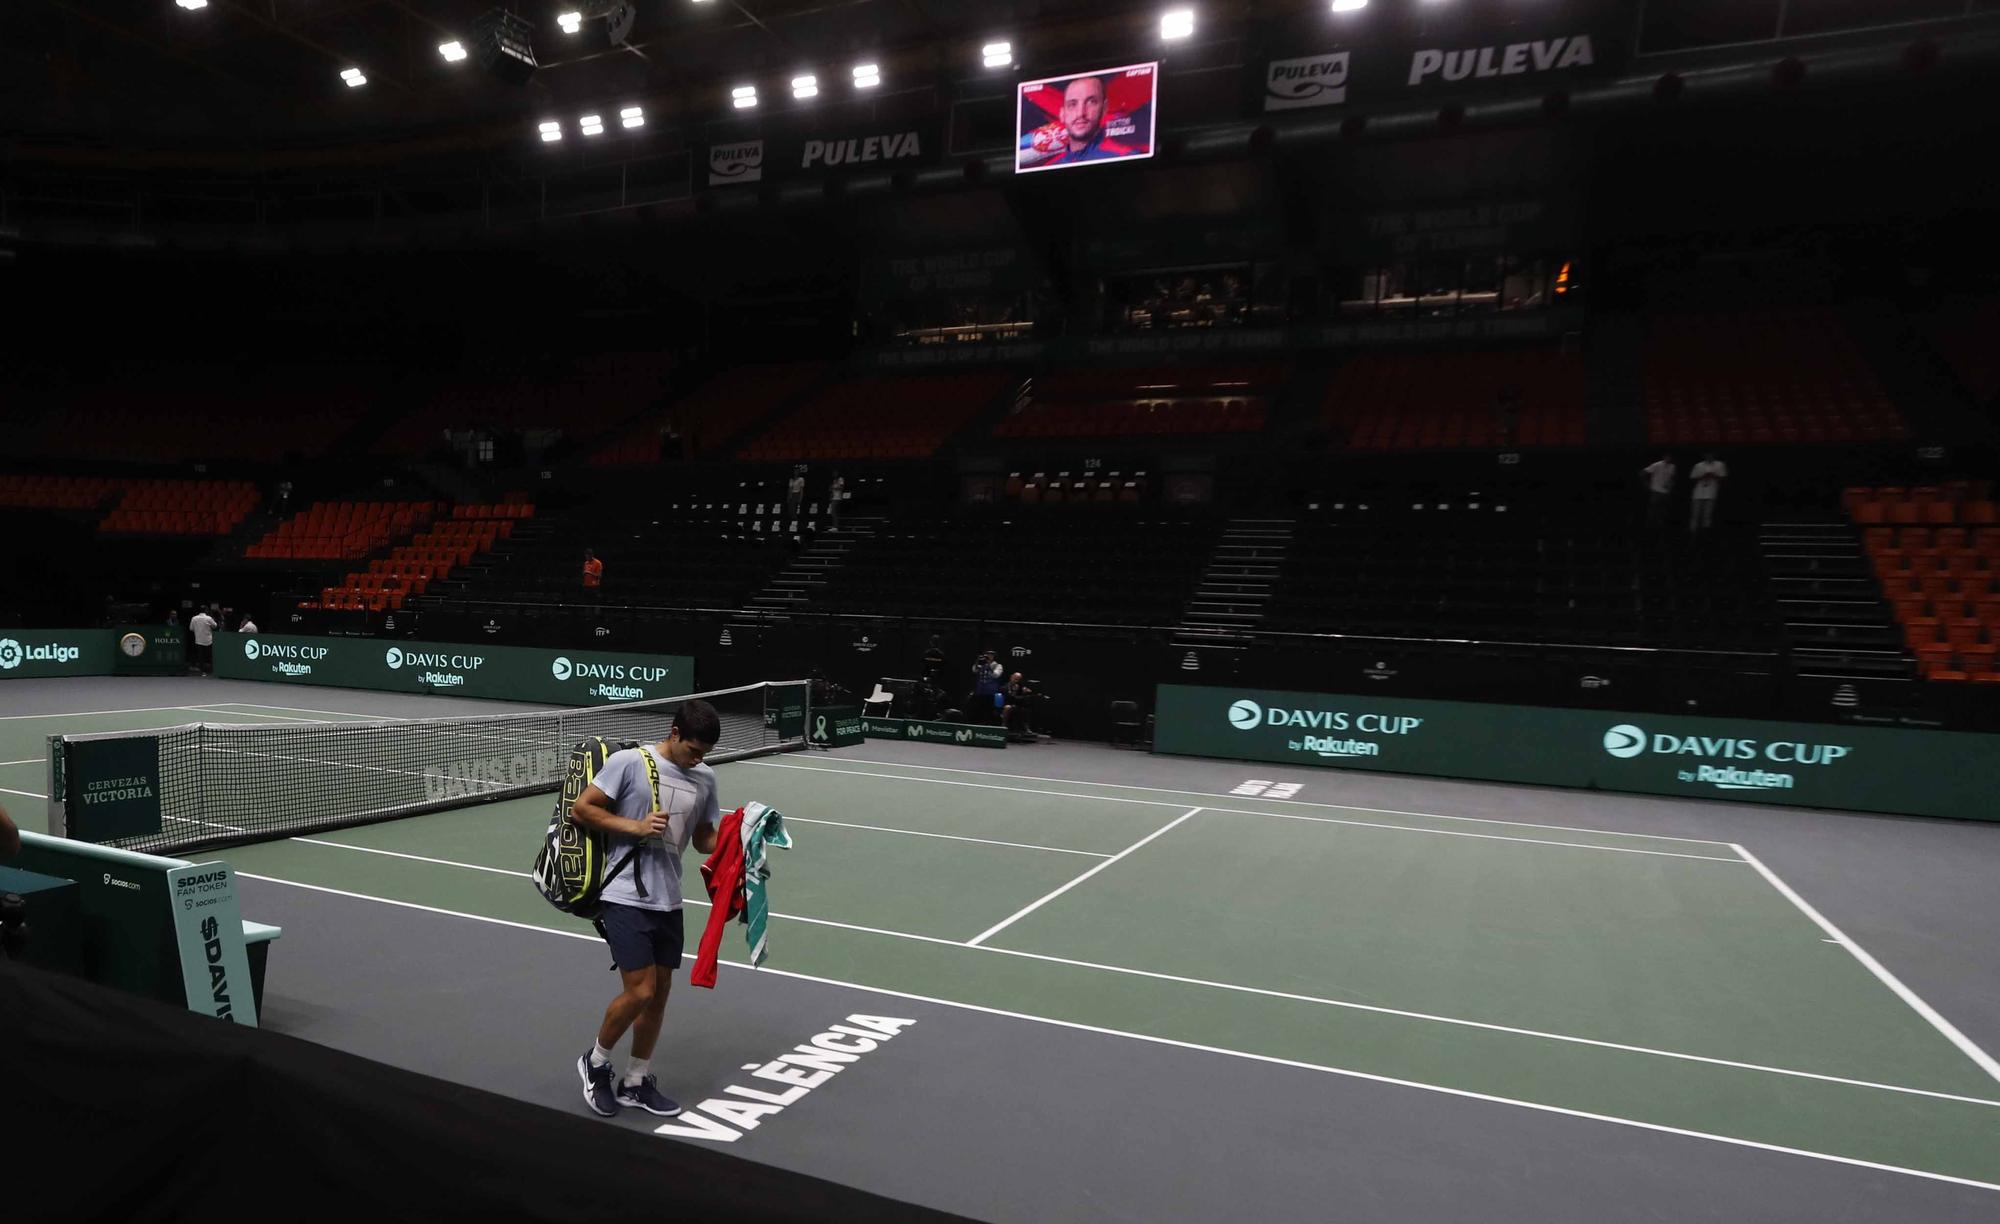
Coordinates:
x,y
469,669
1868,769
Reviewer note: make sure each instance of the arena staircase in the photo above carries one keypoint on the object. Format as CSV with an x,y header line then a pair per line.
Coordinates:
x,y
1834,620
794,586
1237,586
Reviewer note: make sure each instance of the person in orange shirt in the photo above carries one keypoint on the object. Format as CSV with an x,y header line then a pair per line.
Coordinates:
x,y
593,574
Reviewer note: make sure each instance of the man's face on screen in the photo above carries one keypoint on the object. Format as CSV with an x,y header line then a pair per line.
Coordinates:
x,y
1083,110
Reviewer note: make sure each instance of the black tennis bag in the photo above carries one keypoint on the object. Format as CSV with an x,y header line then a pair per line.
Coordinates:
x,y
574,863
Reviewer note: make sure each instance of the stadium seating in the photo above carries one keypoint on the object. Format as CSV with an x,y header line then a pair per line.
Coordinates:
x,y
152,427
56,492
1762,376
1430,401
879,418
1137,403
1966,333
1936,552
1563,569
181,507
429,556
730,401
1126,568
341,531
606,390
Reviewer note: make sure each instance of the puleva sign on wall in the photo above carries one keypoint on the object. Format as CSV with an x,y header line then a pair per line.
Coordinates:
x,y
507,673
1859,768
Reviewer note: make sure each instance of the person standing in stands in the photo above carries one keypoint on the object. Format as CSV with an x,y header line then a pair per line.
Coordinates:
x,y
835,494
203,627
1707,476
246,625
1659,489
593,575
641,914
795,494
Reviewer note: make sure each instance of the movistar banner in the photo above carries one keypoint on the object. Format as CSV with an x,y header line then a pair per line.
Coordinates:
x,y
471,669
1868,769
934,732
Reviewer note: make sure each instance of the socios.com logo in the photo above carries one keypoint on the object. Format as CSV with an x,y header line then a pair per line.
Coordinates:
x,y
394,658
1625,740
10,654
561,667
1244,715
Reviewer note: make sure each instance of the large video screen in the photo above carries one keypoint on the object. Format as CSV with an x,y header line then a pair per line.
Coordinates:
x,y
1100,116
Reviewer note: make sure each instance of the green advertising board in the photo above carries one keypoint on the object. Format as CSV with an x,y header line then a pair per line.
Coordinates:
x,y
159,927
785,711
122,795
34,654
149,650
836,727
466,669
934,732
1867,769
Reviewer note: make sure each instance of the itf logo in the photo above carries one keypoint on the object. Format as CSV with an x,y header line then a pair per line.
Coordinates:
x,y
1243,715
1624,740
10,654
394,658
561,667
250,648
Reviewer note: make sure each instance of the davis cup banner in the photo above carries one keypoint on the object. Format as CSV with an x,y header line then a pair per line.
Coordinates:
x,y
1869,769
462,669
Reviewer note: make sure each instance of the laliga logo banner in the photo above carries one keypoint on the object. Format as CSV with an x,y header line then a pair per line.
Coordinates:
x,y
10,654
742,162
1313,80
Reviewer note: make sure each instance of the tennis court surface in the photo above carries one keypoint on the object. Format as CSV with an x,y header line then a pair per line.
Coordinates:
x,y
1096,984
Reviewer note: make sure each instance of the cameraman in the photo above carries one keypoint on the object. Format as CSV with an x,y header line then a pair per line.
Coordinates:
x,y
986,685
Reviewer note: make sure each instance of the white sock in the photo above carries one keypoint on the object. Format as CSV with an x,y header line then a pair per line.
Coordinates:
x,y
638,1071
599,1056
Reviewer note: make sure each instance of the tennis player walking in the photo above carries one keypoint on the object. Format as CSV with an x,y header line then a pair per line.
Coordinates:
x,y
641,916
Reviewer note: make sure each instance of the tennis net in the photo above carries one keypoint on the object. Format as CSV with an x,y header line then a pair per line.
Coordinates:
x,y
223,784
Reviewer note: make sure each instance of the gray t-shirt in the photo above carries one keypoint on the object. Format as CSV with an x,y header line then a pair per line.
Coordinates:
x,y
688,798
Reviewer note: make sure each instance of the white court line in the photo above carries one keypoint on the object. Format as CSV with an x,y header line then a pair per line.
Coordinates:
x,y
251,705
26,794
313,841
1269,1059
1344,807
89,713
1965,1044
286,718
1532,841
25,761
1026,790
1232,987
982,937
984,841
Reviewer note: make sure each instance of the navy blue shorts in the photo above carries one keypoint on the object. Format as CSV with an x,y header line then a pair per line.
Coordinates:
x,y
641,937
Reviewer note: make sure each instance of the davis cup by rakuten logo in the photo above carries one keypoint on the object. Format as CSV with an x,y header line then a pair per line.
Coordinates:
x,y
394,658
561,667
10,654
1244,715
250,649
1624,741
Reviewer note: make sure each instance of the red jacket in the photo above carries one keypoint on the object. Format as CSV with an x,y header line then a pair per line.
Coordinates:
x,y
723,875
